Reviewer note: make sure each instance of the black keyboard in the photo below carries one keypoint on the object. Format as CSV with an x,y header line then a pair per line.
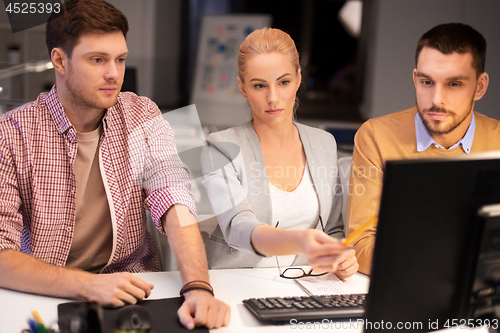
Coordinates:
x,y
280,309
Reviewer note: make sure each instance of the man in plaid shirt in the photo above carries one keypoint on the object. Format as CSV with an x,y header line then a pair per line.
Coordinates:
x,y
78,169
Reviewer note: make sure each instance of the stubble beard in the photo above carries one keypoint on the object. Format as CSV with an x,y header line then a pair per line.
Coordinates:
x,y
83,102
433,130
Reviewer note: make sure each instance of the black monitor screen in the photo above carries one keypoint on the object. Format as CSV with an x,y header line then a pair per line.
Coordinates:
x,y
428,242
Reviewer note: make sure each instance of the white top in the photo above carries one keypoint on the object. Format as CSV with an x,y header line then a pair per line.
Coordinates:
x,y
298,209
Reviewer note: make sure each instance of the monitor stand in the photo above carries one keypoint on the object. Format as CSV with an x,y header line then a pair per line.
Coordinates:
x,y
485,293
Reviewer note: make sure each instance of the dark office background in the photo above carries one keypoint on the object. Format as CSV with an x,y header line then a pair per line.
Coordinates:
x,y
344,77
330,58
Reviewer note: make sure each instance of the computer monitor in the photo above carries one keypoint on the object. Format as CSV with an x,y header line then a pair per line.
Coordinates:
x,y
430,241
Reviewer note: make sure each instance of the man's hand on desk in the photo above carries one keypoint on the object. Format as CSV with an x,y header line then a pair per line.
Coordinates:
x,y
115,289
200,308
25,273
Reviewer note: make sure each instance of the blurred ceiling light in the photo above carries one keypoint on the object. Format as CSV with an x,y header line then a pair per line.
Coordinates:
x,y
32,66
350,16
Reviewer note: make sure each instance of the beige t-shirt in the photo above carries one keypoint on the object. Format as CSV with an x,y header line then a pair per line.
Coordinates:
x,y
93,235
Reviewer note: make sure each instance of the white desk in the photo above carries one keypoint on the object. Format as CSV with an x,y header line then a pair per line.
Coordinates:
x,y
231,286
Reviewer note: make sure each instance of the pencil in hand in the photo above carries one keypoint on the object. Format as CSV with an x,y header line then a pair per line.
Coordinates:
x,y
358,232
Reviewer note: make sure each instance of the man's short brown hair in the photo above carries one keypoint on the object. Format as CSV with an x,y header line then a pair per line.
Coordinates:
x,y
455,37
78,17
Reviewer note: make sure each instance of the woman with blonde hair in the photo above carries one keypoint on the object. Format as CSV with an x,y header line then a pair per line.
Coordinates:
x,y
273,183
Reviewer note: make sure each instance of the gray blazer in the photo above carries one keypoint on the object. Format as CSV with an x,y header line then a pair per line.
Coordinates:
x,y
236,181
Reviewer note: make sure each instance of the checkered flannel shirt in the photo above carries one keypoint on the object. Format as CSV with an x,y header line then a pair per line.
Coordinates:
x,y
139,165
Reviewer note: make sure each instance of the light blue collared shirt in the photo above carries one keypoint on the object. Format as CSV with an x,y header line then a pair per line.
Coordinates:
x,y
424,138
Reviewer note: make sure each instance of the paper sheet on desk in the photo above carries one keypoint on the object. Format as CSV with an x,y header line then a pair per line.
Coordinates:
x,y
328,284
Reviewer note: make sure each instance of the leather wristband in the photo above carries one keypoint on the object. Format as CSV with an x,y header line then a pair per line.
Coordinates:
x,y
196,285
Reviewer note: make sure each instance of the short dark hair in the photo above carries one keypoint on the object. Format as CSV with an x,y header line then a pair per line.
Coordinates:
x,y
455,37
78,17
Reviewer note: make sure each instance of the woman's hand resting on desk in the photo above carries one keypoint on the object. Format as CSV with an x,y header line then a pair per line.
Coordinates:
x,y
348,265
326,254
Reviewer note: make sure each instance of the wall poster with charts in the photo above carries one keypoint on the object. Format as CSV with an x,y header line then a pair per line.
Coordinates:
x,y
215,89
